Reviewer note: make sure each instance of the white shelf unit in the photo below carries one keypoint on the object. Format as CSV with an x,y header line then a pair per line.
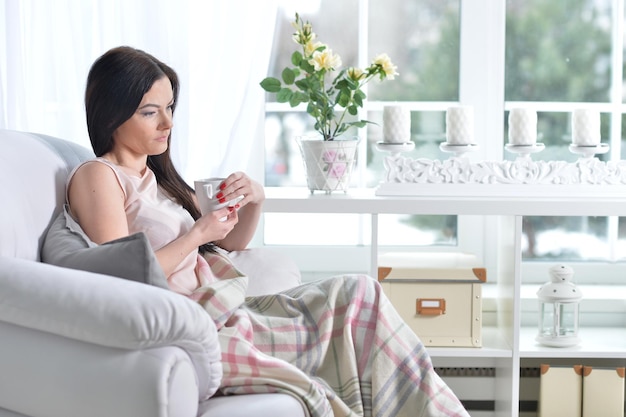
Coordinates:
x,y
506,343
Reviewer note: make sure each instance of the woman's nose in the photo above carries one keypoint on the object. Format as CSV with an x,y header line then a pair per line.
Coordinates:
x,y
166,121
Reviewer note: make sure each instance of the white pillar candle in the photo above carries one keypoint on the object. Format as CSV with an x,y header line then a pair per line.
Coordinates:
x,y
460,125
522,127
396,124
585,127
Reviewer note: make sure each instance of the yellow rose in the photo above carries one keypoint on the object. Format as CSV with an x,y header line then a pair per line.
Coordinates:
x,y
310,47
325,60
355,73
387,66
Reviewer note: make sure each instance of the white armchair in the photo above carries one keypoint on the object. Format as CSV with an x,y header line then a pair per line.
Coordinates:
x,y
76,343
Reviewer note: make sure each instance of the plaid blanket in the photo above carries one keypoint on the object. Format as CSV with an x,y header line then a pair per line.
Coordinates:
x,y
337,345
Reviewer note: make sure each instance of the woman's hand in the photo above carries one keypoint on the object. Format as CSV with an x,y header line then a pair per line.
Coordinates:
x,y
239,184
236,185
208,228
216,225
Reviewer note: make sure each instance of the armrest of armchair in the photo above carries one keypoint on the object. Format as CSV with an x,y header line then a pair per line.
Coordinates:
x,y
110,312
46,374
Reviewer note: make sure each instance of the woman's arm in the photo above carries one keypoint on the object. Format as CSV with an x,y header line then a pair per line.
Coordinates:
x,y
208,228
97,202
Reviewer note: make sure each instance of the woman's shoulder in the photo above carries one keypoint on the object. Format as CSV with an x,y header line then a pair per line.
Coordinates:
x,y
97,164
95,168
97,172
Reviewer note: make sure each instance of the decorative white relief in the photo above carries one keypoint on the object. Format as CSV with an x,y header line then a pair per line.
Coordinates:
x,y
403,174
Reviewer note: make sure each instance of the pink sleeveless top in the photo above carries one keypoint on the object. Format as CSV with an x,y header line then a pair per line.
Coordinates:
x,y
150,210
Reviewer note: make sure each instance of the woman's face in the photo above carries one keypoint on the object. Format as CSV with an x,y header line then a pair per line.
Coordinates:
x,y
146,132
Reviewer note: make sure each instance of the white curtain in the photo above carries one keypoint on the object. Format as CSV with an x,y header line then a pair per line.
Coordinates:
x,y
220,50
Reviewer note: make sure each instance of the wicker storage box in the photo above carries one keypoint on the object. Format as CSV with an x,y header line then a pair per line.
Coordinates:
x,y
439,295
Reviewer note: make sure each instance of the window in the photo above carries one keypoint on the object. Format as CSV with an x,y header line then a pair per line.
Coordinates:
x,y
551,56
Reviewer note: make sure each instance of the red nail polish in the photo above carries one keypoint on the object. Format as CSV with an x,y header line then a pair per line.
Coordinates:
x,y
222,186
222,200
219,195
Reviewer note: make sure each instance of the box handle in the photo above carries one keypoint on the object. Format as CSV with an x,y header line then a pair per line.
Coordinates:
x,y
430,306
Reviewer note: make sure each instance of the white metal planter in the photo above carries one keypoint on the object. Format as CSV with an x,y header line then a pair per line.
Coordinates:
x,y
328,164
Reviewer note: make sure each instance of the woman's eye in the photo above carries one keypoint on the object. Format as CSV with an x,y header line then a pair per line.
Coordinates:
x,y
148,113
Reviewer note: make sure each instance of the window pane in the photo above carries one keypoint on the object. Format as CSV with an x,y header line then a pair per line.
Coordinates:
x,y
316,229
558,50
354,229
413,230
565,238
283,164
422,39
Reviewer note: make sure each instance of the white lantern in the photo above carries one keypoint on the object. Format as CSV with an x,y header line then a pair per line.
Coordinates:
x,y
558,309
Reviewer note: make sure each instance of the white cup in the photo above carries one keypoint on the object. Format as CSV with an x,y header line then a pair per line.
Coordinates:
x,y
206,191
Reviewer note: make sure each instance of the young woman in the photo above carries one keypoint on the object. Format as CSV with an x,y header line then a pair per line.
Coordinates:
x,y
336,344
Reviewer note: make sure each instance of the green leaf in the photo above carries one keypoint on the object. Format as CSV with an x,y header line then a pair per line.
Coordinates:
x,y
347,93
357,100
306,67
284,95
303,97
360,94
271,85
315,84
288,76
342,85
360,123
295,100
296,58
352,85
353,110
344,100
313,110
303,84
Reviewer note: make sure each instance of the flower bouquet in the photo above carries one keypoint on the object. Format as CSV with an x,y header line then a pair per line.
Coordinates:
x,y
313,79
330,95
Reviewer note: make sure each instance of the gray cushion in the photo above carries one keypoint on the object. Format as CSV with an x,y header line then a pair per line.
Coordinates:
x,y
130,257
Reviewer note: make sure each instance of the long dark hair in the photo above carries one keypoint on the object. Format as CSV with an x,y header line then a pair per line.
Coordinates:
x,y
116,84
